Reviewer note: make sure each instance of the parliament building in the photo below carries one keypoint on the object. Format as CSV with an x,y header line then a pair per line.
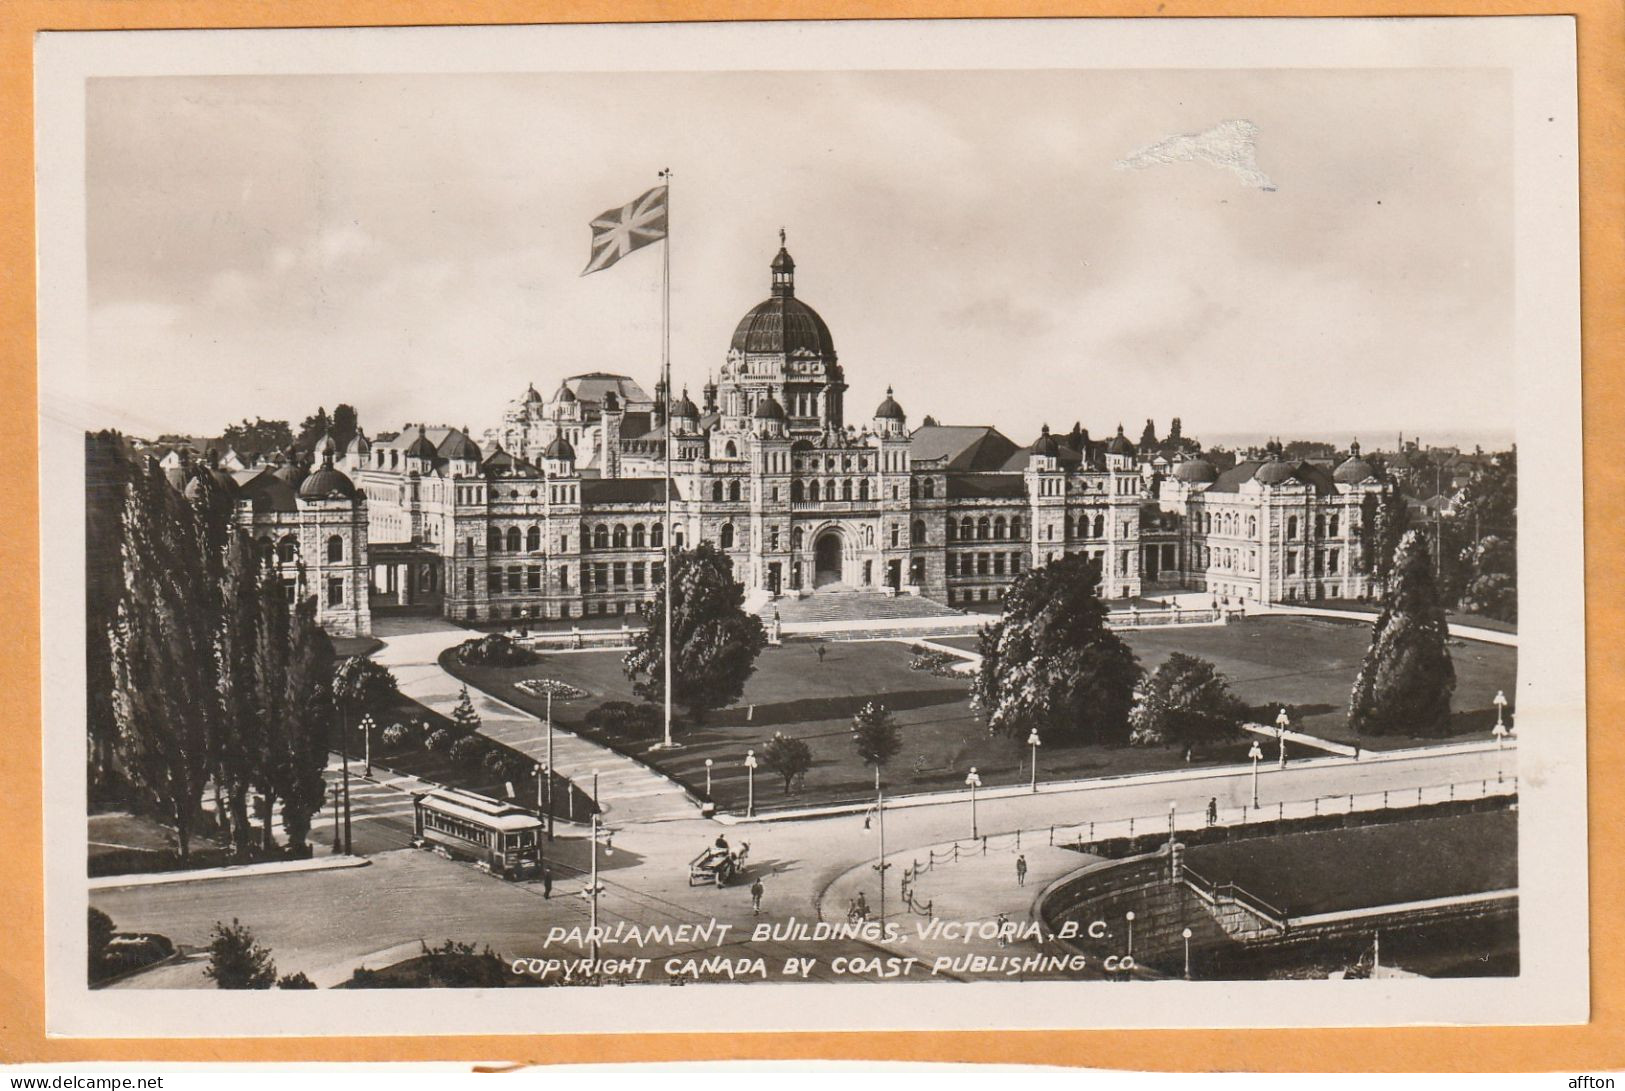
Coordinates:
x,y
560,512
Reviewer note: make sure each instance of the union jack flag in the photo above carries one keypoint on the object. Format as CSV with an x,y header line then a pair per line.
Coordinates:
x,y
617,232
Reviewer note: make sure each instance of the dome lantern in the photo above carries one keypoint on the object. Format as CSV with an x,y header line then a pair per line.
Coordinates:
x,y
784,270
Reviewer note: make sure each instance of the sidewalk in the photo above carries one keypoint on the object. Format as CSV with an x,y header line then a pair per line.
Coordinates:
x,y
1465,632
238,871
629,791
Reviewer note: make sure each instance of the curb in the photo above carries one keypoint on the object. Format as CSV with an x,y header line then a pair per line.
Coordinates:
x,y
280,867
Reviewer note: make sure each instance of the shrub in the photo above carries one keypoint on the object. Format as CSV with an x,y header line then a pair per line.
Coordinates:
x,y
468,750
440,740
625,718
133,951
495,650
397,736
295,981
101,932
497,760
541,687
236,961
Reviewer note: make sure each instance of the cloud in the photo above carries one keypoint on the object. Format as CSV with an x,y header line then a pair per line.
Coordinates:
x,y
1228,145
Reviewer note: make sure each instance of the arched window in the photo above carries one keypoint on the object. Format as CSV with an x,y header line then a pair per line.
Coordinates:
x,y
619,538
287,549
733,490
637,535
812,491
1333,526
795,538
716,490
1291,526
1252,526
863,489
966,529
982,527
731,450
846,489
513,540
267,548
999,527
657,536
677,539
533,539
1015,525
727,535
917,534
1320,526
795,492
493,540
335,549
1100,526
600,536
930,488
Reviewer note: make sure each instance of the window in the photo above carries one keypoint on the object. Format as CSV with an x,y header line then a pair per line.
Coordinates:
x,y
335,549
1291,526
600,576
533,578
795,538
1100,526
846,489
600,536
998,564
637,536
637,573
795,491
999,527
468,580
515,573
733,491
620,573
727,535
1320,526
1015,563
564,577
493,580
773,538
533,539
657,536
1332,528
917,534
287,549
812,491
863,489
1015,526
1291,562
965,530
335,591
514,540
564,543
657,572
1252,526
620,536
929,488
731,450
716,490
951,561
982,526
1331,561
981,564
894,536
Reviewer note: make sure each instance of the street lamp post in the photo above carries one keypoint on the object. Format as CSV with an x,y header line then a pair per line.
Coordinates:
x,y
541,772
1035,742
880,824
366,735
1173,809
1501,729
1281,723
1187,935
973,782
1255,752
750,783
550,765
594,889
707,778
1130,917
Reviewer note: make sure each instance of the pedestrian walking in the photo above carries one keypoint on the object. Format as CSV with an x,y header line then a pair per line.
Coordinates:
x,y
820,655
1213,811
1021,870
756,897
547,884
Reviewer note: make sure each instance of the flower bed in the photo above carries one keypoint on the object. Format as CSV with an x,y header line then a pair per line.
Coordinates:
x,y
941,664
542,687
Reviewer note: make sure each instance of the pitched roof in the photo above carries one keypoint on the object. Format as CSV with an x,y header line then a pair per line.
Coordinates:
x,y
623,490
1308,473
976,447
985,486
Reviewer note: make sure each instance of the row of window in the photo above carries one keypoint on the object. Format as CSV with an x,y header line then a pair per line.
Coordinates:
x,y
982,564
286,548
456,827
520,579
1231,523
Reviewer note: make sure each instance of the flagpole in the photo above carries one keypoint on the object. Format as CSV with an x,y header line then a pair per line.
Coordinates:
x,y
665,351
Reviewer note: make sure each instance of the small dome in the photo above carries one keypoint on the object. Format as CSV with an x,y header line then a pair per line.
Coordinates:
x,y
327,484
1119,444
566,394
1046,444
769,409
889,409
1274,473
359,445
1353,471
290,473
459,446
1196,471
531,396
560,448
685,408
325,446
421,448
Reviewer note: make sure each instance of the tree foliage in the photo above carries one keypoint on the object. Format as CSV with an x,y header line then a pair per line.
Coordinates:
x,y
107,480
1185,702
1384,519
715,642
1053,664
875,735
236,961
257,437
464,715
99,934
1406,681
787,756
1148,436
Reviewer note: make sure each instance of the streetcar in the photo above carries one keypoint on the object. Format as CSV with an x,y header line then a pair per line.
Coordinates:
x,y
502,838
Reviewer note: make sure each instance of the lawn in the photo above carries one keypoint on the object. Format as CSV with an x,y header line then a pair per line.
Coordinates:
x,y
1307,663
1333,870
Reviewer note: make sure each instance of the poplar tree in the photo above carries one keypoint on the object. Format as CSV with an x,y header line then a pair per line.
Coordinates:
x,y
107,484
269,668
1406,681
308,697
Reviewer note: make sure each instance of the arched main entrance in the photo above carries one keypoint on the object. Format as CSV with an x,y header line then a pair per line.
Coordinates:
x,y
827,559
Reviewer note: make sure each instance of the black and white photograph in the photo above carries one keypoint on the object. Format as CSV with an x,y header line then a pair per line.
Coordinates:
x,y
870,525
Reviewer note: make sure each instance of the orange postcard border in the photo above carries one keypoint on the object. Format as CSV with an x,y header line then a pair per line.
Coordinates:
x,y
1598,1045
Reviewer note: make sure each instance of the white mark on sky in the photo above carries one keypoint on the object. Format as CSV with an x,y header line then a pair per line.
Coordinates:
x,y
1228,145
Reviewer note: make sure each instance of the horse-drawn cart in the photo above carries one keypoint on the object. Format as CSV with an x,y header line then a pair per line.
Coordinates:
x,y
717,866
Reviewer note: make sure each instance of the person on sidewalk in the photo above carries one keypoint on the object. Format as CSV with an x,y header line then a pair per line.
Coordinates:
x,y
756,897
1021,870
1213,811
547,883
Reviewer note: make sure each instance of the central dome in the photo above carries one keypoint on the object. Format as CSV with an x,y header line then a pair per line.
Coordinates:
x,y
782,324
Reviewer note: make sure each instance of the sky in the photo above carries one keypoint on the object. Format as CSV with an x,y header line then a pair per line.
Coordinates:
x,y
1005,248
